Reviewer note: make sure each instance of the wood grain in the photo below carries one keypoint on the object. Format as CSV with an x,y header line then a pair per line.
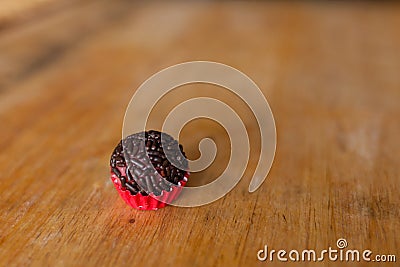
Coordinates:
x,y
330,73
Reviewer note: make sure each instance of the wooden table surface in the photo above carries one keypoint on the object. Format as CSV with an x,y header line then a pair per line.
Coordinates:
x,y
331,73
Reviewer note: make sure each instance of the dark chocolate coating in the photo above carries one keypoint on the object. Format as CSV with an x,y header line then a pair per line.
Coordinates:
x,y
138,152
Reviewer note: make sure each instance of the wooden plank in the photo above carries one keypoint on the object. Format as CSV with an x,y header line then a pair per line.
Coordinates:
x,y
329,71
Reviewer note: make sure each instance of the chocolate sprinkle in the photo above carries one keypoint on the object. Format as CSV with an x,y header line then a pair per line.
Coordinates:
x,y
138,152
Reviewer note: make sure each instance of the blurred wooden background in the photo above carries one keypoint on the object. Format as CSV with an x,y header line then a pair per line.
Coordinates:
x,y
330,72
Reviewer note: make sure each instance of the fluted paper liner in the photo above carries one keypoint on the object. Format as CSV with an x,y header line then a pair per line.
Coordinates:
x,y
149,202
